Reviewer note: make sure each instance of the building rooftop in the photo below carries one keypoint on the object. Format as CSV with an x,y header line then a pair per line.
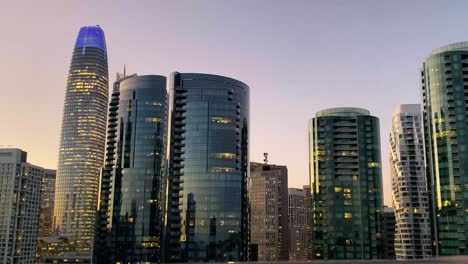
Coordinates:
x,y
342,111
408,108
451,47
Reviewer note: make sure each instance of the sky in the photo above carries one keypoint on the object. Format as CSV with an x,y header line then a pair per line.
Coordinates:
x,y
298,57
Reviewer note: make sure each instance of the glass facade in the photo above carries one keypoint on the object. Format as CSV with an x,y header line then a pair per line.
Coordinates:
x,y
82,142
206,216
346,183
444,80
130,216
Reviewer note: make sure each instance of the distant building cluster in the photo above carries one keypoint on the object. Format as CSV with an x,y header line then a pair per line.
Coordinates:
x,y
161,172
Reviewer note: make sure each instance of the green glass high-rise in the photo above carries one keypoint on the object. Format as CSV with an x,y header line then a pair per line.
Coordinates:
x,y
444,81
346,183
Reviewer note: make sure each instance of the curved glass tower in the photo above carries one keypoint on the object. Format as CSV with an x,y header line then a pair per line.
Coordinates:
x,y
206,216
444,81
346,182
129,221
82,141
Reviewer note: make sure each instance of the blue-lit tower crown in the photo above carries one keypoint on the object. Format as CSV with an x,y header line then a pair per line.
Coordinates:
x,y
82,141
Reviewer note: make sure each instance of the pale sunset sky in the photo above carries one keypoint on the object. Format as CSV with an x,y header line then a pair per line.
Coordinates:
x,y
298,57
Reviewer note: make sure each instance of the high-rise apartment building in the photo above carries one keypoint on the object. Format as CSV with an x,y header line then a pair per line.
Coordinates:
x,y
208,168
268,193
20,202
82,143
388,233
46,220
130,210
346,182
410,195
444,80
297,211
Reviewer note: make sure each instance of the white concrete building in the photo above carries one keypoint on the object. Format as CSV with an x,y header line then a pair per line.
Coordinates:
x,y
410,194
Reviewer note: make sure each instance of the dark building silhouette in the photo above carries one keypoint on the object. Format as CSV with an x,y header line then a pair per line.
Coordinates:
x,y
388,234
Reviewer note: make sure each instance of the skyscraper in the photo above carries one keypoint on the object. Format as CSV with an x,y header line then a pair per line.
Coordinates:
x,y
82,142
268,192
297,211
130,218
346,182
208,154
20,202
410,195
444,84
46,220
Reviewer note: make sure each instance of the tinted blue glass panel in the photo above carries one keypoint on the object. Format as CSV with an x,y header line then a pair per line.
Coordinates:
x,y
92,36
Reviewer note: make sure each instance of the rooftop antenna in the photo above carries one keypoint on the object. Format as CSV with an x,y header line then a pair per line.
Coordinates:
x,y
124,71
265,160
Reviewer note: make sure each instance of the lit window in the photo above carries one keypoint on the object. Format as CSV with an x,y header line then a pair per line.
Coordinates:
x,y
449,133
224,155
348,215
355,177
221,120
338,189
347,190
153,103
152,120
373,164
348,242
222,169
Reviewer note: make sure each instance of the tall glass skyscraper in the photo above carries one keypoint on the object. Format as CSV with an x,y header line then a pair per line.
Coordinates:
x,y
444,80
409,188
130,216
346,182
208,154
82,142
